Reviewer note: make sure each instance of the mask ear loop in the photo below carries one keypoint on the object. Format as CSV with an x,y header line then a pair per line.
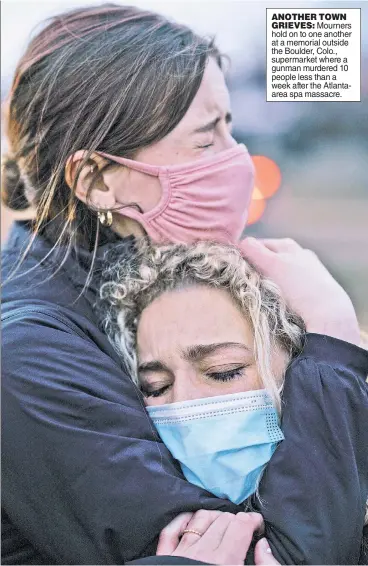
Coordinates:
x,y
153,170
105,215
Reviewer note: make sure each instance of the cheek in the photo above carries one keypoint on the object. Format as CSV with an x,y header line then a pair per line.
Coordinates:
x,y
252,380
134,187
145,190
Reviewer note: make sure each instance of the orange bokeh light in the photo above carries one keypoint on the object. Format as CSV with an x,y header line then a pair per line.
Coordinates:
x,y
268,175
257,207
257,195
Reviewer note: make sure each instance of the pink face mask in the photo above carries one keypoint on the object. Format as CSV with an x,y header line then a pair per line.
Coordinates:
x,y
206,199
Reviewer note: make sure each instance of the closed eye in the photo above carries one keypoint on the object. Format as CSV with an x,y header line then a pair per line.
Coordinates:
x,y
205,146
154,393
227,375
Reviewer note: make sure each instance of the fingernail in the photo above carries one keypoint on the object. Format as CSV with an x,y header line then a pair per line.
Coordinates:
x,y
265,545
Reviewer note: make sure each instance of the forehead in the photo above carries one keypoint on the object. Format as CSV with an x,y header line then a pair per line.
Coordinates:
x,y
180,319
211,100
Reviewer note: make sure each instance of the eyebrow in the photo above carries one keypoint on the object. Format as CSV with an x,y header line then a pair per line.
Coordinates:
x,y
200,351
193,353
212,125
155,365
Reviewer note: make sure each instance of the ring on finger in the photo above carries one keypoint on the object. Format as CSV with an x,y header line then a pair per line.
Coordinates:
x,y
193,531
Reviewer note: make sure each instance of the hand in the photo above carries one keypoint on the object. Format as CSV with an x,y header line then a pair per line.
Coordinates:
x,y
308,288
263,553
225,539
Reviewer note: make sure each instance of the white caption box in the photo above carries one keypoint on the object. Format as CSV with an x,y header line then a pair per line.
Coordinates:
x,y
313,54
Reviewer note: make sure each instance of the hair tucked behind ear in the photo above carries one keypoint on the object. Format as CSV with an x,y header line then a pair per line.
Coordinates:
x,y
85,83
130,282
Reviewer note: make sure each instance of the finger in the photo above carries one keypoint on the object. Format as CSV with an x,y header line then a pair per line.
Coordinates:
x,y
200,522
263,553
239,534
257,254
215,532
255,518
279,245
170,536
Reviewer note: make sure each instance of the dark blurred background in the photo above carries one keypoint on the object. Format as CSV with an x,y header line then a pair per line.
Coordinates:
x,y
320,148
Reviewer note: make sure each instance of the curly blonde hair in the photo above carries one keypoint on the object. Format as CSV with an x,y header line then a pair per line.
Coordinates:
x,y
130,284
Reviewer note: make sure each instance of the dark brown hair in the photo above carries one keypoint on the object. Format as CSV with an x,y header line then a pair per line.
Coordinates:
x,y
108,78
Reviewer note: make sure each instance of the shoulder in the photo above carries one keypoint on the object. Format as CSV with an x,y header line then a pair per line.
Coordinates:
x,y
326,391
53,360
34,270
41,330
328,358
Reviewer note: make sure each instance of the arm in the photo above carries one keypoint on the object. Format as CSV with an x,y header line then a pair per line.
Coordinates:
x,y
85,478
315,487
320,470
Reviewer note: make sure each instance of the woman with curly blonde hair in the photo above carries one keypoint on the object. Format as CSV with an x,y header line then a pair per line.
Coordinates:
x,y
213,272
212,380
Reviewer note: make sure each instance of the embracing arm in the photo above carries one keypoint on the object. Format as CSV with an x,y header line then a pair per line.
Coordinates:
x,y
316,484
315,487
84,477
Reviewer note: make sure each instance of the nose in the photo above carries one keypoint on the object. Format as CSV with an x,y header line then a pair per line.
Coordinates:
x,y
186,388
224,139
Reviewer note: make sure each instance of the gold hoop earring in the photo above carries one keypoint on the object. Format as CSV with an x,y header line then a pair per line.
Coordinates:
x,y
105,217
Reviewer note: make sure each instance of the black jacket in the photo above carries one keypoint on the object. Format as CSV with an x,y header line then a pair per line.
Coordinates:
x,y
86,479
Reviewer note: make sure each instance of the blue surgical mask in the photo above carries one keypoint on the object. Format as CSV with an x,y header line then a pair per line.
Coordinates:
x,y
222,443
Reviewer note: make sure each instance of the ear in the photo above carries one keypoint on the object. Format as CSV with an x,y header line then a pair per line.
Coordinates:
x,y
90,188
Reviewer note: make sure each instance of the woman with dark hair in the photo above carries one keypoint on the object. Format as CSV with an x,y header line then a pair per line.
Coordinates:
x,y
118,123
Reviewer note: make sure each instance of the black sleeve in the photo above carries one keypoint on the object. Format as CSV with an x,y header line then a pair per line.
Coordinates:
x,y
85,478
315,488
169,560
